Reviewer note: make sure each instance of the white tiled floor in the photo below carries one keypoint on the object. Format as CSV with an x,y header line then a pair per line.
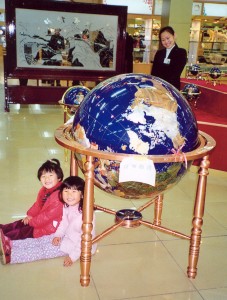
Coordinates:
x,y
139,263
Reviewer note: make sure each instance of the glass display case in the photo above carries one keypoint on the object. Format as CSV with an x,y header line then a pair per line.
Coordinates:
x,y
214,43
208,42
145,38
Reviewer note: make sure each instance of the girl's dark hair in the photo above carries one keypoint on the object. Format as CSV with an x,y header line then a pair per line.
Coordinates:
x,y
166,28
52,165
76,183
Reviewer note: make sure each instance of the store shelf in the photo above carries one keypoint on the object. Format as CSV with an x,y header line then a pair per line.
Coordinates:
x,y
145,36
208,42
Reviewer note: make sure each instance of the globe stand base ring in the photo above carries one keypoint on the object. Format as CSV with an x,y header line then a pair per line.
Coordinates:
x,y
129,217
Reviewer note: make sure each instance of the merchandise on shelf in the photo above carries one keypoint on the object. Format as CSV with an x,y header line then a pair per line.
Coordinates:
x,y
145,36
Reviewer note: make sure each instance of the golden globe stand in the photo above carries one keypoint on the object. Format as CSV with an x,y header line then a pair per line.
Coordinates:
x,y
129,218
69,111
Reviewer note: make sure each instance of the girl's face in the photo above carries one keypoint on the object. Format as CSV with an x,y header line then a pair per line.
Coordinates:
x,y
71,196
49,179
167,39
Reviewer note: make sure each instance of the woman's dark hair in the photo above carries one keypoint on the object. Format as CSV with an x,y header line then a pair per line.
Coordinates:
x,y
76,183
52,165
166,28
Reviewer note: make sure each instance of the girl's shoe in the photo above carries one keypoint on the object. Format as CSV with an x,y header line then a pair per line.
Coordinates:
x,y
5,248
1,244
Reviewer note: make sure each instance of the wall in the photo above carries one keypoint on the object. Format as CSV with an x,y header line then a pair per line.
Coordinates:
x,y
181,22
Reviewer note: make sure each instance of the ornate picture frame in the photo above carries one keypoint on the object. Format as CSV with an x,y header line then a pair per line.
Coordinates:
x,y
65,39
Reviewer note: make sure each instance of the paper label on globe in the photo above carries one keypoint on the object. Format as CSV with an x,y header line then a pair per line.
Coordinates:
x,y
137,169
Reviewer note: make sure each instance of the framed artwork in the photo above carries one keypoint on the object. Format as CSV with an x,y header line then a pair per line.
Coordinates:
x,y
63,38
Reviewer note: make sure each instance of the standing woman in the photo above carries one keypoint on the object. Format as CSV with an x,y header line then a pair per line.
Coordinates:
x,y
170,61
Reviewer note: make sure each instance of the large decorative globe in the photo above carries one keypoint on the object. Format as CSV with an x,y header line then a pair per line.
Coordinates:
x,y
135,114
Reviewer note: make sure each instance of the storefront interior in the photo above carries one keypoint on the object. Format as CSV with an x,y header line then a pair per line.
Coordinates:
x,y
130,263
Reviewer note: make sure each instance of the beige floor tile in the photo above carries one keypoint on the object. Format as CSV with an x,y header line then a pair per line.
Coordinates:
x,y
174,296
46,280
141,269
216,293
212,265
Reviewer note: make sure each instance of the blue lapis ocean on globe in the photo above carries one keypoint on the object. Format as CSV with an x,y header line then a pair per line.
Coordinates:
x,y
135,114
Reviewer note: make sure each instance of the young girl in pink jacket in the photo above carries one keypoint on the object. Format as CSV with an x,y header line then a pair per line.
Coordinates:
x,y
66,241
45,214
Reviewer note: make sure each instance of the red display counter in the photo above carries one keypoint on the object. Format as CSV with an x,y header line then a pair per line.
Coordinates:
x,y
211,115
213,98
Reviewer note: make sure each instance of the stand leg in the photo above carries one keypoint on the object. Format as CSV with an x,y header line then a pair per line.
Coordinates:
x,y
197,220
73,165
86,240
7,100
158,209
65,113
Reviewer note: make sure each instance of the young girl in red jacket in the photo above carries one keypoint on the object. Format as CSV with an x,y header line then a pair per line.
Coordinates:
x,y
66,241
45,214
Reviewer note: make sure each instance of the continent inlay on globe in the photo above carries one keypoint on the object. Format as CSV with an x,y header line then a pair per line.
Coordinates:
x,y
135,114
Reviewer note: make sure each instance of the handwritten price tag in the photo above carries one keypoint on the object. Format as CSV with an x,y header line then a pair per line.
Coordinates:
x,y
137,169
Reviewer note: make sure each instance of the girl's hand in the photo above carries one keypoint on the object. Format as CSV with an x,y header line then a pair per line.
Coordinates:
x,y
56,241
67,261
26,220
